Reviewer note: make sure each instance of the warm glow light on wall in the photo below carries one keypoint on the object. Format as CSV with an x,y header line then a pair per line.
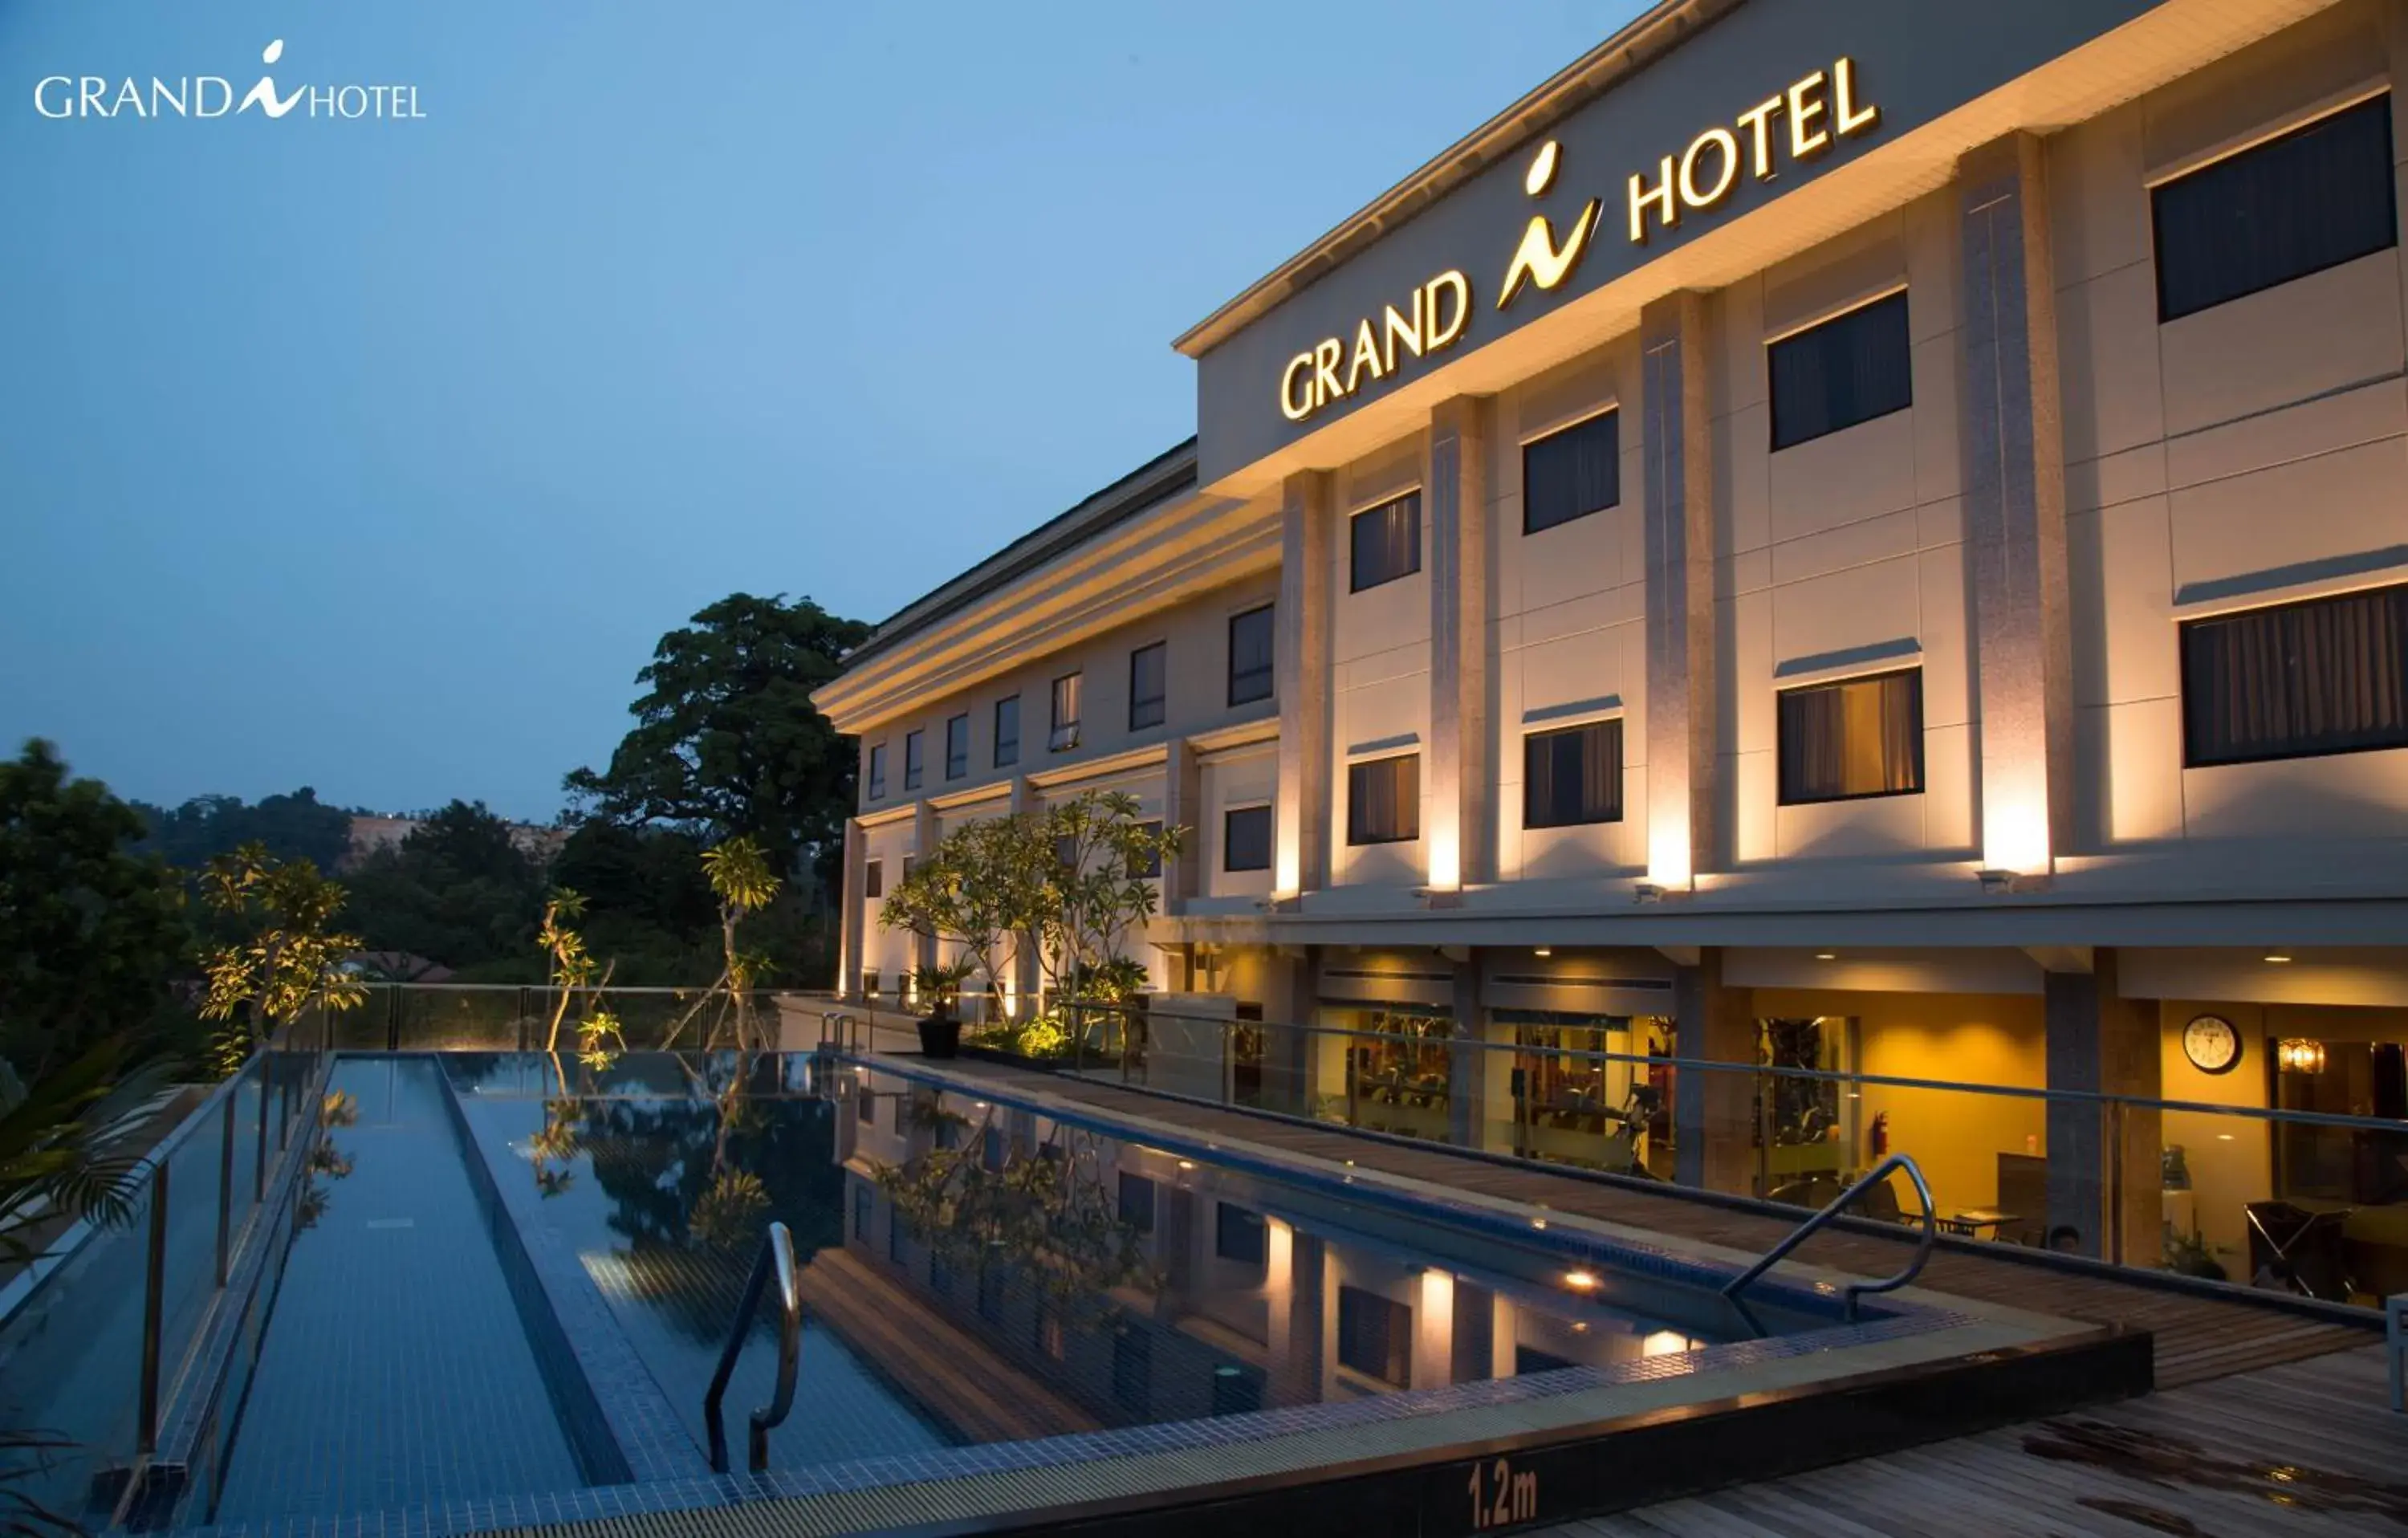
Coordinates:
x,y
2014,828
1445,855
1668,848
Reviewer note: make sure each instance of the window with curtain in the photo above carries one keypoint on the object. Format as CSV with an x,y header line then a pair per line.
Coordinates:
x,y
957,746
1385,542
1859,737
1007,731
1573,776
1066,713
1246,838
878,771
1849,369
1148,685
1572,473
1251,655
914,761
2312,198
2330,675
1383,800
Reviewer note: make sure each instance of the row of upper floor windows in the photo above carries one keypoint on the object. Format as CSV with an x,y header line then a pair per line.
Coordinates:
x,y
1252,676
2311,198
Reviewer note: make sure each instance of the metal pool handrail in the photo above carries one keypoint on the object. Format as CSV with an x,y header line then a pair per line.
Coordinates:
x,y
1806,1230
777,1256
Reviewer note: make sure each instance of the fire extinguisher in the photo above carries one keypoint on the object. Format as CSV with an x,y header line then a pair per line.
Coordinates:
x,y
1878,1136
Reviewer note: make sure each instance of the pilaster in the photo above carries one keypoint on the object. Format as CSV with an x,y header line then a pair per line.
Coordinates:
x,y
1462,778
1300,834
1679,583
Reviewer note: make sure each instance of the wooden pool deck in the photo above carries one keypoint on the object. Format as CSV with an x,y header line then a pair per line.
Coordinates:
x,y
2197,1337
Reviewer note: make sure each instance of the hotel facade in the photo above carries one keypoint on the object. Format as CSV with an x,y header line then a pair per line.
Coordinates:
x,y
1860,537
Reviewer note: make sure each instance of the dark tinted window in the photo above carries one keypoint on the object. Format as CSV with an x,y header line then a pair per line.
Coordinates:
x,y
912,760
1251,655
2312,199
1148,685
873,879
1246,838
1375,1336
1387,542
1137,1203
1573,776
1066,713
1860,737
1239,1235
1571,474
1851,368
878,771
1007,731
957,747
1383,800
2327,676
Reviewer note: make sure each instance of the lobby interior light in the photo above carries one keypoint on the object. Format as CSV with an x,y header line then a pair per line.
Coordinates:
x,y
2299,1055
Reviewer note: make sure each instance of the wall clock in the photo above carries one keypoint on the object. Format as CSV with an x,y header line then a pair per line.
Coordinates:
x,y
2212,1044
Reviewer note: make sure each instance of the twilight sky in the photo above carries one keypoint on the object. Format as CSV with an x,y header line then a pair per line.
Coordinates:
x,y
375,456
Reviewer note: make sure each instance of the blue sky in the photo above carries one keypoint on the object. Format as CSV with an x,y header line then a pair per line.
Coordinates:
x,y
375,456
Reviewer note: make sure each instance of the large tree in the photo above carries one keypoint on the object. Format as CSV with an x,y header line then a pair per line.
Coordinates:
x,y
297,826
89,931
457,891
726,744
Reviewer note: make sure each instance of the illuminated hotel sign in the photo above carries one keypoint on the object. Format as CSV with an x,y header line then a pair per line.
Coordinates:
x,y
1792,127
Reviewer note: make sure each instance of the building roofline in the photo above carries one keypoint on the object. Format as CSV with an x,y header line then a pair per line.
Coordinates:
x,y
1157,479
1646,38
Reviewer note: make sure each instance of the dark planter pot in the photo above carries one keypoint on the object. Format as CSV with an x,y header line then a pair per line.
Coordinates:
x,y
939,1037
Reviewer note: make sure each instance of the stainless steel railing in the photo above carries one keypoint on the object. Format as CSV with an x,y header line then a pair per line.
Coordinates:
x,y
776,1259
1807,1229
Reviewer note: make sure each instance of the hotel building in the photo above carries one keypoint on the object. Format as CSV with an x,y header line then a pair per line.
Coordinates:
x,y
1857,535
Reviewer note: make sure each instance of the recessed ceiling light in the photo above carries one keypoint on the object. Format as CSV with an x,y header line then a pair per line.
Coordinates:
x,y
1583,1280
1187,1164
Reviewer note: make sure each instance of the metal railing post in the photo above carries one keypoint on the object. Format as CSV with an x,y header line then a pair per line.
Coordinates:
x,y
153,1310
775,1261
259,1163
225,1187
2114,1246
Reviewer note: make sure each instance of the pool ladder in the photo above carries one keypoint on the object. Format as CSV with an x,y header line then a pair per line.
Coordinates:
x,y
776,1259
1807,1229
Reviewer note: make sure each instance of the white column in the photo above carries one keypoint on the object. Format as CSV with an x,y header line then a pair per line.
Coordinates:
x,y
1300,859
1679,538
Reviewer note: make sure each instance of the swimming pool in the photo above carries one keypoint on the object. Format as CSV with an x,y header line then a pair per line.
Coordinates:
x,y
519,1274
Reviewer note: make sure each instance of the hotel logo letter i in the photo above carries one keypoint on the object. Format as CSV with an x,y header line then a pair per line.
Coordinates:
x,y
1538,259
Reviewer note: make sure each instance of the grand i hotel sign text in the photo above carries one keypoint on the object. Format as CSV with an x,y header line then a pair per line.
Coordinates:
x,y
1793,127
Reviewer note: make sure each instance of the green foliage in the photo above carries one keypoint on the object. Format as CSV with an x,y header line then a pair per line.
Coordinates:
x,y
49,1161
1100,892
89,931
740,877
647,902
458,891
290,828
290,953
726,742
985,883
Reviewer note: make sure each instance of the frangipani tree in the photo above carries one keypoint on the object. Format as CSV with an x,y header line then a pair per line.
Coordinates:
x,y
262,983
1106,864
985,888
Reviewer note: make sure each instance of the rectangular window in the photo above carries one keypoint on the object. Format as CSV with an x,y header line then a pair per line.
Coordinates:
x,y
1383,800
1387,542
1250,654
1375,1336
1859,737
1150,868
1246,838
957,746
1851,368
868,1102
1066,713
873,879
861,1208
1572,777
2313,198
2330,675
1007,731
1239,1235
1572,473
878,771
1148,685
1137,1203
912,760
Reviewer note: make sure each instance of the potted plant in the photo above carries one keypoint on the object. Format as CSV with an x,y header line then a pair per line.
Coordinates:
x,y
941,1031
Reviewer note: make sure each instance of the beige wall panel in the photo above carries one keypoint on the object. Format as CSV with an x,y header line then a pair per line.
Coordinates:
x,y
1862,606
2107,359
2099,207
1938,460
1748,702
2335,504
1945,632
1881,538
2128,773
2120,569
1844,477
2353,417
2123,477
1743,476
1951,812
1879,827
2349,795
2282,344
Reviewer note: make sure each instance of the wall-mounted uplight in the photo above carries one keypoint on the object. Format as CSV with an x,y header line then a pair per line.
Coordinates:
x,y
2278,959
1187,1164
1827,955
1580,1281
1543,950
